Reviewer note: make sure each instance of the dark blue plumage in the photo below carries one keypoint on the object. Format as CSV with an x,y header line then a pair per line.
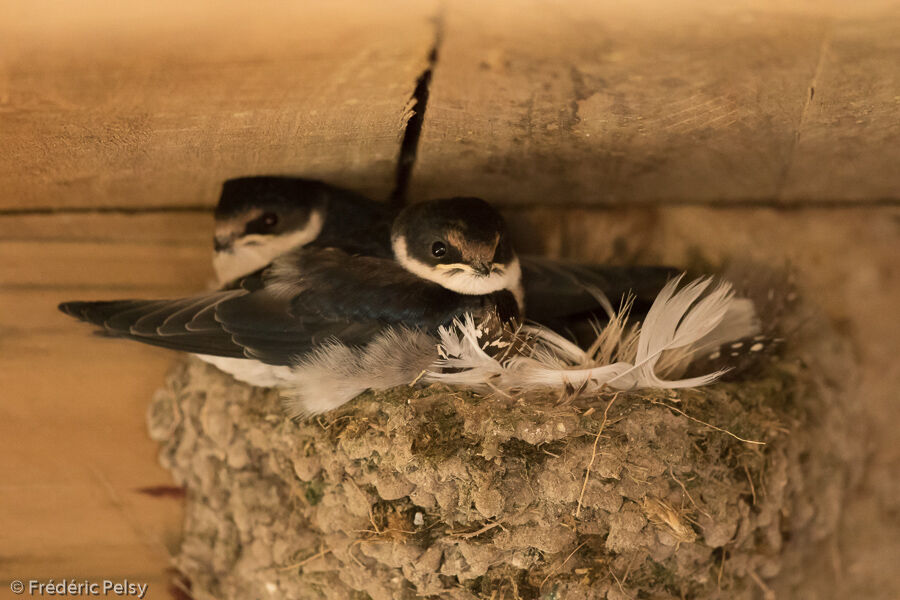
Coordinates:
x,y
557,294
311,296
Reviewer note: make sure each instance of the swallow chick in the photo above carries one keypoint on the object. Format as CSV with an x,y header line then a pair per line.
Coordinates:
x,y
260,218
561,295
327,323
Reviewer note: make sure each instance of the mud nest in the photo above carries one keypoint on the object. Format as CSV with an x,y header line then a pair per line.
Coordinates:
x,y
433,492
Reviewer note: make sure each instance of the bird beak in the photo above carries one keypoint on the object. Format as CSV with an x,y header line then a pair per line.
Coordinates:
x,y
481,268
223,244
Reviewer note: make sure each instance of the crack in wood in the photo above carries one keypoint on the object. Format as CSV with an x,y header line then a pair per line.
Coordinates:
x,y
409,146
784,178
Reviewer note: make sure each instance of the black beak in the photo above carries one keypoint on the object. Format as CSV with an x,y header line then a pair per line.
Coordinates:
x,y
220,245
483,269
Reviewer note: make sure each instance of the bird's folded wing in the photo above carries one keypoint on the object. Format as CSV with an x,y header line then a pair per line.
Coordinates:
x,y
334,284
278,314
119,318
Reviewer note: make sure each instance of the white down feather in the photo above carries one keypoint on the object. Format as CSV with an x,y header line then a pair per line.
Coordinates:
x,y
679,324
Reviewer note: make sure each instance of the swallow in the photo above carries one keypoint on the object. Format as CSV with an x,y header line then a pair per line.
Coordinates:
x,y
259,218
449,258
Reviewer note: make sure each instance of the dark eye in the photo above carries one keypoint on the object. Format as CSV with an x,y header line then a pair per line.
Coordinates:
x,y
262,224
438,249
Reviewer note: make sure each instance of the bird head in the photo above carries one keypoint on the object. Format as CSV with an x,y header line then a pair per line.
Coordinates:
x,y
260,218
459,243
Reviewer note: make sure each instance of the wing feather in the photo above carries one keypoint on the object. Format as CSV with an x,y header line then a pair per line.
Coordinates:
x,y
306,298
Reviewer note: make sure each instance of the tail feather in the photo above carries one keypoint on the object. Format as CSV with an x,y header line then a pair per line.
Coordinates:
x,y
143,321
101,312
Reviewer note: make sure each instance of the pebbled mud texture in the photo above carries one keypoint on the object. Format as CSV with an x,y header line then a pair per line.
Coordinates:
x,y
437,493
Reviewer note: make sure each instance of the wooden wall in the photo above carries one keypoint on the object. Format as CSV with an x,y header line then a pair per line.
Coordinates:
x,y
650,130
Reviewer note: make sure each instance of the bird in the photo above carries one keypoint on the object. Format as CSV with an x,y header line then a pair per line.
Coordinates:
x,y
372,317
260,217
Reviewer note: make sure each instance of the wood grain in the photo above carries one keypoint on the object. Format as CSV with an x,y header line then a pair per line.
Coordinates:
x,y
649,102
72,417
115,104
848,143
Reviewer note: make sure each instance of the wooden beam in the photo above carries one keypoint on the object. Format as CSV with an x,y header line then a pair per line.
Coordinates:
x,y
119,104
848,143
73,434
650,102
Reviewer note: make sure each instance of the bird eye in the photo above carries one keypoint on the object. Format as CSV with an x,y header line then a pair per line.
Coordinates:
x,y
438,249
262,224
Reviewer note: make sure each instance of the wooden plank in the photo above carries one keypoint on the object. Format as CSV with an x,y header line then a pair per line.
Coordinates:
x,y
647,102
159,228
848,145
163,254
72,417
125,265
76,451
154,104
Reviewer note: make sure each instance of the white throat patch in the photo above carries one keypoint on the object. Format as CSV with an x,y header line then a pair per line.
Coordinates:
x,y
461,278
253,252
